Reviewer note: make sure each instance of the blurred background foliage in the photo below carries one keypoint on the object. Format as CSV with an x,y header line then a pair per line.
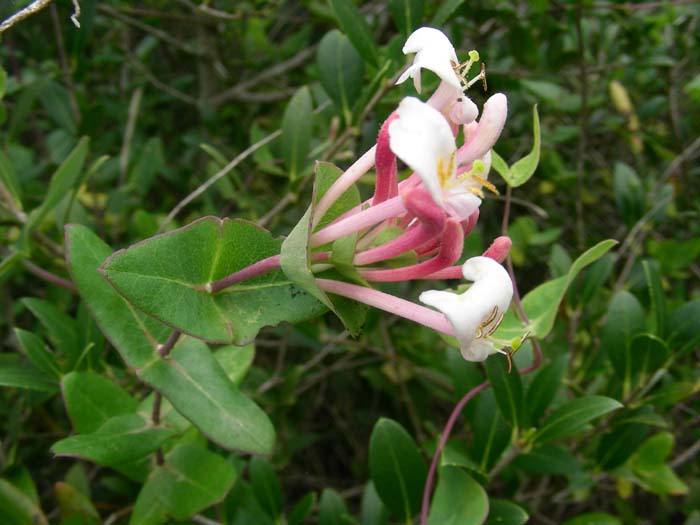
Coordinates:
x,y
170,92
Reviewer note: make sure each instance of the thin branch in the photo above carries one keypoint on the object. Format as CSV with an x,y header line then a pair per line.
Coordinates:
x,y
271,72
215,178
686,455
175,93
49,277
28,11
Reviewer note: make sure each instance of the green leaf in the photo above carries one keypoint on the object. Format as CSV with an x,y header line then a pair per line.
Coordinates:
x,y
549,459
446,10
203,252
65,179
622,441
505,513
21,376
8,182
149,163
302,509
552,94
235,361
648,464
120,440
130,332
649,353
266,486
40,356
593,518
61,329
491,433
295,257
458,499
656,296
192,380
56,101
75,507
296,132
332,509
340,70
3,82
684,330
372,510
542,303
16,508
544,387
191,480
572,417
396,468
508,390
92,399
624,320
520,172
407,14
353,24
629,193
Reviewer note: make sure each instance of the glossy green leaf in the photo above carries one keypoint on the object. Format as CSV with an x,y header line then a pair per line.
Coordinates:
x,y
372,510
194,382
648,353
458,499
593,518
396,468
521,171
16,508
593,280
92,399
40,356
544,387
203,252
508,390
340,70
191,379
491,432
296,132
266,486
683,327
549,459
542,303
64,180
406,14
572,417
353,24
191,480
120,440
505,513
74,506
616,446
332,509
624,320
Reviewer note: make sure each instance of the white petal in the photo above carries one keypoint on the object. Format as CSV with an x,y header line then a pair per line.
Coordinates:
x,y
487,132
479,309
462,204
478,351
434,52
421,137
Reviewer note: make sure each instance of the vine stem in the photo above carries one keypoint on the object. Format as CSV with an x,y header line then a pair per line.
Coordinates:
x,y
537,361
163,351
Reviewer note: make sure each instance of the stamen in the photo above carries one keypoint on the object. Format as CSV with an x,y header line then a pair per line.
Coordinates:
x,y
476,191
486,184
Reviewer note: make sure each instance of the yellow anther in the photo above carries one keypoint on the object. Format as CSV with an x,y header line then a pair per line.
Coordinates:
x,y
476,191
486,184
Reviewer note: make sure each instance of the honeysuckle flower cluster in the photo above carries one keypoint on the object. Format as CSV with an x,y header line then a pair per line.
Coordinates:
x,y
434,208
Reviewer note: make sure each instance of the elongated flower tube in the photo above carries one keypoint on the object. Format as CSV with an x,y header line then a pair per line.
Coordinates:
x,y
433,51
385,166
481,137
476,313
422,138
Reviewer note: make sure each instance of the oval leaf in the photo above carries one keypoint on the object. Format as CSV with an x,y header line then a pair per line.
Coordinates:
x,y
573,417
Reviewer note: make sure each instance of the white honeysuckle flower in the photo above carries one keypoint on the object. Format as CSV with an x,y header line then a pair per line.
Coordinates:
x,y
463,111
422,138
476,313
433,51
